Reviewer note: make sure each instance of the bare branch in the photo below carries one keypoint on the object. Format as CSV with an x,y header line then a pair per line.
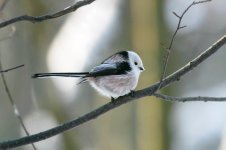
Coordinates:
x,y
149,91
10,69
16,111
176,14
204,1
189,99
179,27
34,19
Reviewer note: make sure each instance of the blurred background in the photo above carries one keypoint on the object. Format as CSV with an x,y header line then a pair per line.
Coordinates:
x,y
81,40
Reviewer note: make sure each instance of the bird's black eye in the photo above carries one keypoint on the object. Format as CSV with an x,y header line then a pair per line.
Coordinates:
x,y
135,63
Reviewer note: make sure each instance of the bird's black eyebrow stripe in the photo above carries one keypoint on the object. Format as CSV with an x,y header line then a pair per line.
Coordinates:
x,y
124,54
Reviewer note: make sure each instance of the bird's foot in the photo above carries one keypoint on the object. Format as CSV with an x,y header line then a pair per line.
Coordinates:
x,y
112,99
132,93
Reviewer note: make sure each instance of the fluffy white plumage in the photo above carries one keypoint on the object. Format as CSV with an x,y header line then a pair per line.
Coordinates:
x,y
122,84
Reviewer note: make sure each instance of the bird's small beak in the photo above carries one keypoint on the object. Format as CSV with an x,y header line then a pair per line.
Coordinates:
x,y
142,69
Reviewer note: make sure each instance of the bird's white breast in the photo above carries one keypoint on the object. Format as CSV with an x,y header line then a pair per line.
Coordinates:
x,y
115,85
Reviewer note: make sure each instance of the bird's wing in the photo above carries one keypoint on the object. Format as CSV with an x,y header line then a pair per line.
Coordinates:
x,y
106,69
103,70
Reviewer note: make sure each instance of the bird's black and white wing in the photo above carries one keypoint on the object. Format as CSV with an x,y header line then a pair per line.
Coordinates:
x,y
103,70
107,69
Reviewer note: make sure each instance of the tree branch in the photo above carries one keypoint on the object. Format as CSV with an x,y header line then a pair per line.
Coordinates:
x,y
10,69
8,93
179,27
189,99
34,19
12,102
149,91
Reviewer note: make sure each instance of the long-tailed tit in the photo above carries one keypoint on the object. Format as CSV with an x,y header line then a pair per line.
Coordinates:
x,y
116,76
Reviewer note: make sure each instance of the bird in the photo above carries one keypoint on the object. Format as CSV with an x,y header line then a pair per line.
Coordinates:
x,y
116,76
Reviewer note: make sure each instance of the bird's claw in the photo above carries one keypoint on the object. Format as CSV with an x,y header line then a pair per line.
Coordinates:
x,y
132,93
112,99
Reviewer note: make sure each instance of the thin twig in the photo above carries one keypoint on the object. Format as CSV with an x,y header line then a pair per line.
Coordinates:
x,y
10,69
149,91
16,111
34,19
179,27
189,99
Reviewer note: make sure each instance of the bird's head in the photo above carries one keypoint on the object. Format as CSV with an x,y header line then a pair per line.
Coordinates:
x,y
136,62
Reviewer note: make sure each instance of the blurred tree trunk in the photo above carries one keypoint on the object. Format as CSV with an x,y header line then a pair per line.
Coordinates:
x,y
164,37
145,37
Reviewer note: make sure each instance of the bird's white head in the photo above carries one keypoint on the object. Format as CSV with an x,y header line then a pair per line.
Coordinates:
x,y
136,62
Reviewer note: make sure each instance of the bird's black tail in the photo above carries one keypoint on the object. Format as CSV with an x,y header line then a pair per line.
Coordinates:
x,y
66,74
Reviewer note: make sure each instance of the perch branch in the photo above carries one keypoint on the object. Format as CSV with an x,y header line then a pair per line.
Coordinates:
x,y
189,99
34,19
149,91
